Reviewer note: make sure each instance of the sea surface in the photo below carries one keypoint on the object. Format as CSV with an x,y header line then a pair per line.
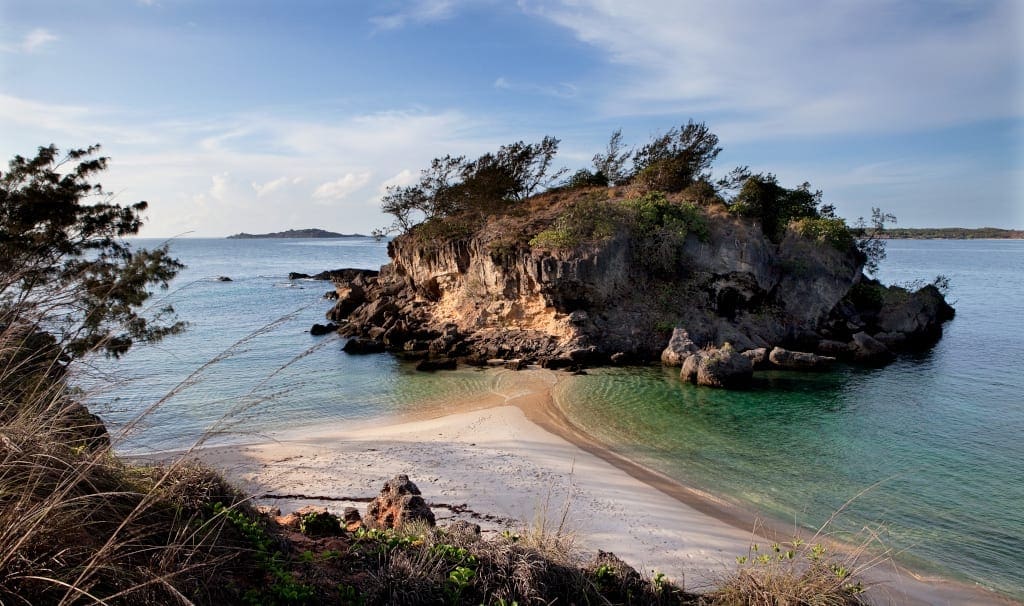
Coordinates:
x,y
927,452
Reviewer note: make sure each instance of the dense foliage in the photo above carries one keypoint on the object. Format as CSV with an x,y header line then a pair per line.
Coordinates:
x,y
453,195
65,268
453,184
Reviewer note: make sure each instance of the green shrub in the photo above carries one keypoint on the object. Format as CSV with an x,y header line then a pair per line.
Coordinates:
x,y
589,220
657,215
585,178
660,228
319,524
867,295
834,231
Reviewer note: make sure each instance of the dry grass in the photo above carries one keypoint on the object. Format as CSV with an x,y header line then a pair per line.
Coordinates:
x,y
77,525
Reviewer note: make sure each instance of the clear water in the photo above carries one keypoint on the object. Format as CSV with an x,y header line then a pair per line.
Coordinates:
x,y
936,438
267,372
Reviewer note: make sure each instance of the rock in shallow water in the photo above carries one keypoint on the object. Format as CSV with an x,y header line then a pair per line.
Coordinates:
x,y
799,360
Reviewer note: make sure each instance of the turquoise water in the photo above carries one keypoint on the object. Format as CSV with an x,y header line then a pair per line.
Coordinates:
x,y
939,433
935,438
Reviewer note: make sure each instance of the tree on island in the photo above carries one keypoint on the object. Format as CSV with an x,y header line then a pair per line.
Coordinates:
x,y
67,275
453,184
454,190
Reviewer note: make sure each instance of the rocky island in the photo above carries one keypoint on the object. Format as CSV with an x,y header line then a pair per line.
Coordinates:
x,y
295,233
718,278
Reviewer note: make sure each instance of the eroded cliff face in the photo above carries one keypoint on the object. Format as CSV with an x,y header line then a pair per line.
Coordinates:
x,y
480,298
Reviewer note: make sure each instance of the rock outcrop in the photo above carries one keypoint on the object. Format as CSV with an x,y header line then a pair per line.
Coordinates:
x,y
799,360
399,502
489,294
724,367
322,329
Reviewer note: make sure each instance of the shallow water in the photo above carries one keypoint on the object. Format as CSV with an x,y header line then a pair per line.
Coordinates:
x,y
934,439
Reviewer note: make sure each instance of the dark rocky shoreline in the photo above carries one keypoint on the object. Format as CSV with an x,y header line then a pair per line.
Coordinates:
x,y
799,304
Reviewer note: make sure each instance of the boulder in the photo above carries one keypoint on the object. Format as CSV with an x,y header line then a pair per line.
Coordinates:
x,y
349,299
351,519
680,346
724,367
892,340
516,364
918,315
432,364
224,279
799,360
295,275
322,329
358,346
758,357
398,503
836,349
688,374
869,349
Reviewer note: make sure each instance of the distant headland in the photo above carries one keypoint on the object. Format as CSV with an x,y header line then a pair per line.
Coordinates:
x,y
951,233
296,233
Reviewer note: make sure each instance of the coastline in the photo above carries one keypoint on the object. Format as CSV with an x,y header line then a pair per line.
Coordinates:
x,y
510,458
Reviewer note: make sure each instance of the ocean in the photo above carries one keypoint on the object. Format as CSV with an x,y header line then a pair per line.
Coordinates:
x,y
927,452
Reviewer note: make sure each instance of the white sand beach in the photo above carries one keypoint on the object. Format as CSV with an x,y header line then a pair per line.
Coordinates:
x,y
509,460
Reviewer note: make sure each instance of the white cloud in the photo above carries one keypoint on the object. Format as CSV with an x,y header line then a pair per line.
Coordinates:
x,y
220,186
417,11
340,188
402,179
275,185
36,40
804,68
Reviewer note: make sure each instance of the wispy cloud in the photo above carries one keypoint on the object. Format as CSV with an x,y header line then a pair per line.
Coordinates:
x,y
341,188
805,68
252,171
32,42
37,39
562,90
416,12
265,189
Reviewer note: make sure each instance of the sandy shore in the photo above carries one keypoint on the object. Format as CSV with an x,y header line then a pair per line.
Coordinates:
x,y
510,460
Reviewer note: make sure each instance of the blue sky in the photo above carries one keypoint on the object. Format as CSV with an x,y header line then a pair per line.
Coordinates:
x,y
261,116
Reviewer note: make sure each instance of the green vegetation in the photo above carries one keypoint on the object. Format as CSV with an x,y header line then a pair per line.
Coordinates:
x,y
589,220
280,585
295,233
668,195
453,185
762,198
64,263
80,526
952,233
793,573
673,161
832,230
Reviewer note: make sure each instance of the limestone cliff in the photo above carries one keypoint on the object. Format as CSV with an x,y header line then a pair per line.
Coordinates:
x,y
487,292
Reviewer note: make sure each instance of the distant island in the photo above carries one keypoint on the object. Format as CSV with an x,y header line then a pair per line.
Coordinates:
x,y
950,233
296,233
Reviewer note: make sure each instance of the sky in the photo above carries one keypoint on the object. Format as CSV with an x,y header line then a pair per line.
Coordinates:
x,y
260,116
